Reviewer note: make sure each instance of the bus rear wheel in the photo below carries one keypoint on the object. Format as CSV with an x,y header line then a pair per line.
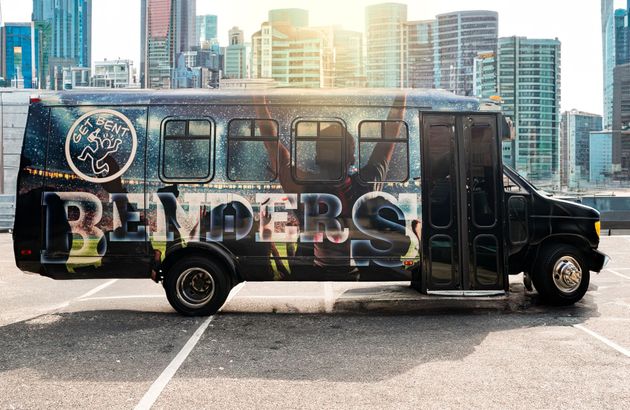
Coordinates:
x,y
196,286
560,275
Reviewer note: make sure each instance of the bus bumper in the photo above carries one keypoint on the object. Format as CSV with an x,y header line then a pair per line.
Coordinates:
x,y
597,260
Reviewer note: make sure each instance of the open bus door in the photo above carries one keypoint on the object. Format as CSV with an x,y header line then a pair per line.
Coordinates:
x,y
463,235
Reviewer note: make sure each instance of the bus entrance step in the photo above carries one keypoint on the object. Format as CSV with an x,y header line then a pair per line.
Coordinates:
x,y
400,299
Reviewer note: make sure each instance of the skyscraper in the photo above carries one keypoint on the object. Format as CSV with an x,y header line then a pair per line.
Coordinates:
x,y
206,29
608,56
461,36
17,49
70,24
576,127
167,29
528,81
600,157
421,53
236,55
386,45
622,35
349,67
485,75
288,51
615,49
621,122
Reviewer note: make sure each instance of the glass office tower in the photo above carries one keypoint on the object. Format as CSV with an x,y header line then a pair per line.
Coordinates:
x,y
386,42
461,36
528,81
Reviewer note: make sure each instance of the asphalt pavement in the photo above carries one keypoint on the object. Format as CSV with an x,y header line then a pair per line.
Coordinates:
x,y
119,344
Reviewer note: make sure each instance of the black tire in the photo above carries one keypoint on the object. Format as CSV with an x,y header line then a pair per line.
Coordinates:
x,y
553,277
197,286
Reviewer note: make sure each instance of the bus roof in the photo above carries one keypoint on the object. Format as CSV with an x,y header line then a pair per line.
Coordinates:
x,y
428,99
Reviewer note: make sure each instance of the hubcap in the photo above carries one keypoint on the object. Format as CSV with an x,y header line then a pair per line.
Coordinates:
x,y
567,274
195,287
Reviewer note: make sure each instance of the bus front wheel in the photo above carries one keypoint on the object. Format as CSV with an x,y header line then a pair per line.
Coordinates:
x,y
196,286
560,275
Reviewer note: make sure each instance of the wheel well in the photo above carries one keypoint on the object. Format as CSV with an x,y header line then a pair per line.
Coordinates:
x,y
578,242
215,256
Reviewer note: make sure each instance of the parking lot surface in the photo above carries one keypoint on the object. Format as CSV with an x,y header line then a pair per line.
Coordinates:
x,y
118,344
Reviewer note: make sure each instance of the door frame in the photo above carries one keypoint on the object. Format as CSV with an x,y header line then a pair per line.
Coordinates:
x,y
465,232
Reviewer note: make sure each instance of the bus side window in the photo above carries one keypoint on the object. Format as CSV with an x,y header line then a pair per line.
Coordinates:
x,y
187,150
319,150
383,151
252,150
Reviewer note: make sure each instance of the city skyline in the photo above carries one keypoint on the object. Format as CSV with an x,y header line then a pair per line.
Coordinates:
x,y
579,30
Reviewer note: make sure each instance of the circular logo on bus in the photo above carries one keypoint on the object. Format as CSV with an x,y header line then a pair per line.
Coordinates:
x,y
101,145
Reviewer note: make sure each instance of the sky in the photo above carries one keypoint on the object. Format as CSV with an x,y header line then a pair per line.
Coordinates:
x,y
576,23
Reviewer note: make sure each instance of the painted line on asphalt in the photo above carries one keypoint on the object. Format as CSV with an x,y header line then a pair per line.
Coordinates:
x,y
281,297
165,377
122,297
601,338
329,298
621,275
160,383
97,289
54,308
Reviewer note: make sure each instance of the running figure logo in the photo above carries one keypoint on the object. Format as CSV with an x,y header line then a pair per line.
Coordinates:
x,y
98,150
96,138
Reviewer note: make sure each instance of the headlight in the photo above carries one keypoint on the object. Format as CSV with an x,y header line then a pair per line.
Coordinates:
x,y
598,226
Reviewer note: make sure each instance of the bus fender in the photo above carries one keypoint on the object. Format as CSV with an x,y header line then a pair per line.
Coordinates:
x,y
211,250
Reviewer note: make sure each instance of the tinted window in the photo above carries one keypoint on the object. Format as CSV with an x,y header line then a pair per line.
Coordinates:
x,y
440,178
319,150
383,151
252,150
482,174
187,150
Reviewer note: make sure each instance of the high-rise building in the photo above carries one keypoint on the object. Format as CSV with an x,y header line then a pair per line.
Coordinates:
x,y
461,36
576,127
622,35
621,121
608,56
70,23
288,51
485,75
528,81
421,53
167,29
17,51
236,60
600,157
43,42
348,63
615,49
386,45
206,29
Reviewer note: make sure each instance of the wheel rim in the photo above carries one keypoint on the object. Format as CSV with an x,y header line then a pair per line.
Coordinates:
x,y
567,274
195,287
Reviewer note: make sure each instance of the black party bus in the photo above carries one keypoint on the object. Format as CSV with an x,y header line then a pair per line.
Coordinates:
x,y
203,190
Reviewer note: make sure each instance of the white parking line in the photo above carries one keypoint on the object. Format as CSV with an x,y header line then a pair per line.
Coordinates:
x,y
618,274
165,377
51,309
601,338
158,385
97,289
122,297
